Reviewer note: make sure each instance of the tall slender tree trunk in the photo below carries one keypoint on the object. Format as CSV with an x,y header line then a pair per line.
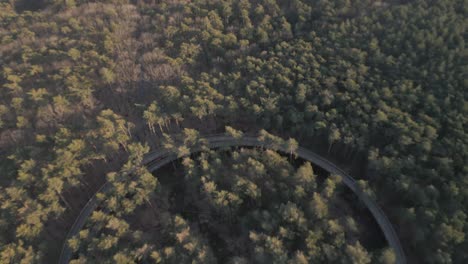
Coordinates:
x,y
64,201
160,127
153,209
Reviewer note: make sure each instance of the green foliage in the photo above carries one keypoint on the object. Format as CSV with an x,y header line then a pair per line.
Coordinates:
x,y
357,254
244,198
107,75
387,257
383,78
113,129
232,132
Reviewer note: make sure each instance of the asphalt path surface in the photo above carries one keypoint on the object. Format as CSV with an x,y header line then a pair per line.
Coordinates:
x,y
157,159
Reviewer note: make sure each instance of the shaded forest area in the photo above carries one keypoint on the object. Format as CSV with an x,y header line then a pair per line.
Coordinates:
x,y
85,85
232,206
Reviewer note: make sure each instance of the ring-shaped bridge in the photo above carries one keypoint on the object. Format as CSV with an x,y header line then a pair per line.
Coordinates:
x,y
157,159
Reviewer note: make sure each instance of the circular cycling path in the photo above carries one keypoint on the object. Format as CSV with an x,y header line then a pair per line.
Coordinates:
x,y
157,159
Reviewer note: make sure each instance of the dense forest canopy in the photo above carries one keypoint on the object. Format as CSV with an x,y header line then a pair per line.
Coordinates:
x,y
228,207
88,87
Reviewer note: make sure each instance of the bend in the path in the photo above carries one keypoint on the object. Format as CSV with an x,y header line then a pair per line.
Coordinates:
x,y
159,158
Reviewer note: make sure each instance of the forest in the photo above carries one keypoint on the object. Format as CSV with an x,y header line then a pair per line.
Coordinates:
x,y
89,87
228,207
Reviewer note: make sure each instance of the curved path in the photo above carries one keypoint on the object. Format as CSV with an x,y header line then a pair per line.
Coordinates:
x,y
157,159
